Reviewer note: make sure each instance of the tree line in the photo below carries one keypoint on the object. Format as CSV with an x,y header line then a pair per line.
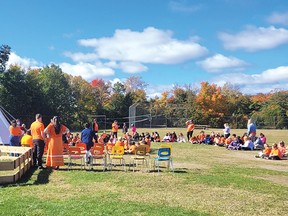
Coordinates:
x,y
50,91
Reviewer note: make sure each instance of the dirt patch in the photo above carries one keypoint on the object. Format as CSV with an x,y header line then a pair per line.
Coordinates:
x,y
275,167
282,180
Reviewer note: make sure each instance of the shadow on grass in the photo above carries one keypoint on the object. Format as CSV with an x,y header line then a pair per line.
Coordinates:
x,y
42,178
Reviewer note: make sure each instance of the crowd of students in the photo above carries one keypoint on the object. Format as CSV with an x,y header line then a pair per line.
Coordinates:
x,y
51,138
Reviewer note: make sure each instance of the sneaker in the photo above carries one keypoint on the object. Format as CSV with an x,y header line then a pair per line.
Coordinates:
x,y
41,167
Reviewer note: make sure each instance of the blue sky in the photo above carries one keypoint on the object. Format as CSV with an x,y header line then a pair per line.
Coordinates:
x,y
166,42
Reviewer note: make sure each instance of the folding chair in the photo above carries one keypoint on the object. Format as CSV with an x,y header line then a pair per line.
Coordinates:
x,y
164,154
97,152
75,154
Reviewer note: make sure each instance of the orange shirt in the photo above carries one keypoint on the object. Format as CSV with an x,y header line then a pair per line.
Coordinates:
x,y
96,127
37,128
132,149
201,137
190,127
114,127
15,131
267,151
119,143
76,139
276,152
27,140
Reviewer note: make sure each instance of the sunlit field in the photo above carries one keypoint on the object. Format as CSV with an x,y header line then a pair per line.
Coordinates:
x,y
208,180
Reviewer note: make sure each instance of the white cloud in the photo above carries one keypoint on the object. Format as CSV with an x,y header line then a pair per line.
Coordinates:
x,y
128,67
278,18
132,67
81,57
157,90
150,46
220,63
255,83
24,63
86,70
183,6
254,39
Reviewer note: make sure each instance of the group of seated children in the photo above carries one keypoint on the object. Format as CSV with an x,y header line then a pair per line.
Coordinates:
x,y
277,152
127,142
233,142
172,137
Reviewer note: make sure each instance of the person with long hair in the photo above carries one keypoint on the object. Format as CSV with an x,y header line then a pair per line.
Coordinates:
x,y
55,147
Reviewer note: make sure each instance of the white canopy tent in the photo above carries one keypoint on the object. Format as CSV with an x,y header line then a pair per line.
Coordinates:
x,y
4,125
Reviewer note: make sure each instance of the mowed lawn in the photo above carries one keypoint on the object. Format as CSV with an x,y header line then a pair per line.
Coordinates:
x,y
208,180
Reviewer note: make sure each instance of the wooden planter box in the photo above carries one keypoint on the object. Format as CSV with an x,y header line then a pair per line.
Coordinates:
x,y
17,166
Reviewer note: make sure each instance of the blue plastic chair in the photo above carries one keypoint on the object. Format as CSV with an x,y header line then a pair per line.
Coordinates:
x,y
164,154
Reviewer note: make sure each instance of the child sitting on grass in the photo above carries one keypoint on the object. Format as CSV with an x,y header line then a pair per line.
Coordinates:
x,y
265,153
276,153
248,145
282,148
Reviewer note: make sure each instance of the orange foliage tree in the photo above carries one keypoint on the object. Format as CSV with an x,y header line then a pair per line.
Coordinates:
x,y
212,103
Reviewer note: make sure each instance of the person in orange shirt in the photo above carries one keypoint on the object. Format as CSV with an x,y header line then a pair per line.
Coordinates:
x,y
27,140
95,128
146,145
282,148
265,153
76,139
37,131
193,140
190,129
201,137
132,148
15,133
119,142
275,153
115,127
55,147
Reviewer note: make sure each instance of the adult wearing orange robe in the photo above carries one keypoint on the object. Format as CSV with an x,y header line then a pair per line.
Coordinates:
x,y
55,147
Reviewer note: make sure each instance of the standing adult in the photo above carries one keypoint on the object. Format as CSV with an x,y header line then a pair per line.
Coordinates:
x,y
226,130
251,130
38,136
55,147
124,128
115,127
87,137
190,128
95,127
15,133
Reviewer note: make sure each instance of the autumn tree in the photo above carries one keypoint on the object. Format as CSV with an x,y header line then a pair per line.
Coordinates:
x,y
102,93
82,93
212,103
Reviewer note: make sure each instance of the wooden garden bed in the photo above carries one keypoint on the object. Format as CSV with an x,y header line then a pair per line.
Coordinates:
x,y
13,168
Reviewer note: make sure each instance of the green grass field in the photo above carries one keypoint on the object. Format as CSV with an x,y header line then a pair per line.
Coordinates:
x,y
208,180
